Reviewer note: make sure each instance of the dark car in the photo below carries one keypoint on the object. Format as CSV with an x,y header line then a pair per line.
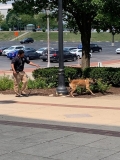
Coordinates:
x,y
54,56
27,40
94,48
2,49
31,55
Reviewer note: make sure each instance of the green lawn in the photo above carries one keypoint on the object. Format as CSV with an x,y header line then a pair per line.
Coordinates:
x,y
6,35
70,37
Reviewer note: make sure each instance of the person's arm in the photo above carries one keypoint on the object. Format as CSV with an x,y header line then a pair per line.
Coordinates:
x,y
13,68
33,64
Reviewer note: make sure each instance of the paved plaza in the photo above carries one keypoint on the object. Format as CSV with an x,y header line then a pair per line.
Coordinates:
x,y
59,128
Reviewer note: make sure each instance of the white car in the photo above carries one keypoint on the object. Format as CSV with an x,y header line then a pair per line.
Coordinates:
x,y
78,52
12,48
118,50
41,50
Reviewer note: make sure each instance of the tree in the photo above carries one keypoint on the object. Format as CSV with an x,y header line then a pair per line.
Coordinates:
x,y
4,25
1,18
13,19
80,15
41,20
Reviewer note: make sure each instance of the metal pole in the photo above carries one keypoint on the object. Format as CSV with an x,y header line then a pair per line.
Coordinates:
x,y
48,37
61,89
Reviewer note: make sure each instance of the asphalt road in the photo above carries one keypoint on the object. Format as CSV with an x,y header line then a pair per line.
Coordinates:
x,y
108,53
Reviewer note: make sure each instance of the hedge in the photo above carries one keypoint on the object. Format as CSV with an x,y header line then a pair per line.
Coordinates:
x,y
50,75
108,75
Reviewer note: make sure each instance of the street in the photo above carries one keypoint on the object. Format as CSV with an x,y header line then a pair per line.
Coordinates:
x,y
108,53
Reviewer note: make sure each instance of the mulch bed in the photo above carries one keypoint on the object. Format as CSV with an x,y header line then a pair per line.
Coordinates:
x,y
48,92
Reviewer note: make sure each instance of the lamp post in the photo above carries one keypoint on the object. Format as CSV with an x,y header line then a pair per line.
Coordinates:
x,y
48,37
61,89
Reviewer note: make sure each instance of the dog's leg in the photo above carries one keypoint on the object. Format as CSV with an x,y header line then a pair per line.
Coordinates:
x,y
73,90
90,91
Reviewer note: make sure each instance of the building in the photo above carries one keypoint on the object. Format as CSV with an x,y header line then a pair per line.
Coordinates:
x,y
4,8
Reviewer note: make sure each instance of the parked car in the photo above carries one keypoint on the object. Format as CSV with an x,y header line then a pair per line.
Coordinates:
x,y
32,55
54,56
78,52
12,48
118,50
43,50
27,40
2,49
13,54
69,48
93,48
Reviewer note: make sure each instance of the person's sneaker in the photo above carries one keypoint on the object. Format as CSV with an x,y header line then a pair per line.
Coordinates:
x,y
18,95
24,94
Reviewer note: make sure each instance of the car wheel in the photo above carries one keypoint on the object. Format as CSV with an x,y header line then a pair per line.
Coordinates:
x,y
74,59
44,60
78,57
100,50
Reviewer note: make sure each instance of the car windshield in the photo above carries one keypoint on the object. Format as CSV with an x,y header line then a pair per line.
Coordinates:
x,y
41,49
73,50
27,48
66,49
19,47
11,48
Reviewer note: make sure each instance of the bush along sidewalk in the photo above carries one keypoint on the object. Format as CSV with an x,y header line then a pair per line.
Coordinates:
x,y
105,76
48,78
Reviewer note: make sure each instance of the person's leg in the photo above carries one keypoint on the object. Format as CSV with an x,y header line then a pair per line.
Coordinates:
x,y
24,83
17,79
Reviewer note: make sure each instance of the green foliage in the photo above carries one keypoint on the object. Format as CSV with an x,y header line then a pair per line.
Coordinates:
x,y
1,18
4,25
51,75
5,83
100,86
37,83
107,74
43,29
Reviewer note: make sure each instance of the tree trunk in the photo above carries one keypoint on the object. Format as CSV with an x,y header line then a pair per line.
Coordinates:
x,y
113,39
85,39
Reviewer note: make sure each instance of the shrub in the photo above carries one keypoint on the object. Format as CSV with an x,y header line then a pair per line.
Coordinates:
x,y
51,75
5,83
36,84
100,86
107,74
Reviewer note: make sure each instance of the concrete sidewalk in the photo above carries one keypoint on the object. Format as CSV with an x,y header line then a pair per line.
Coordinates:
x,y
59,128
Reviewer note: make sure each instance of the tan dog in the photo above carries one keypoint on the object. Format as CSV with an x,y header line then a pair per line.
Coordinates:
x,y
80,82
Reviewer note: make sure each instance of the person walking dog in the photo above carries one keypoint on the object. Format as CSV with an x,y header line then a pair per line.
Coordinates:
x,y
19,75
